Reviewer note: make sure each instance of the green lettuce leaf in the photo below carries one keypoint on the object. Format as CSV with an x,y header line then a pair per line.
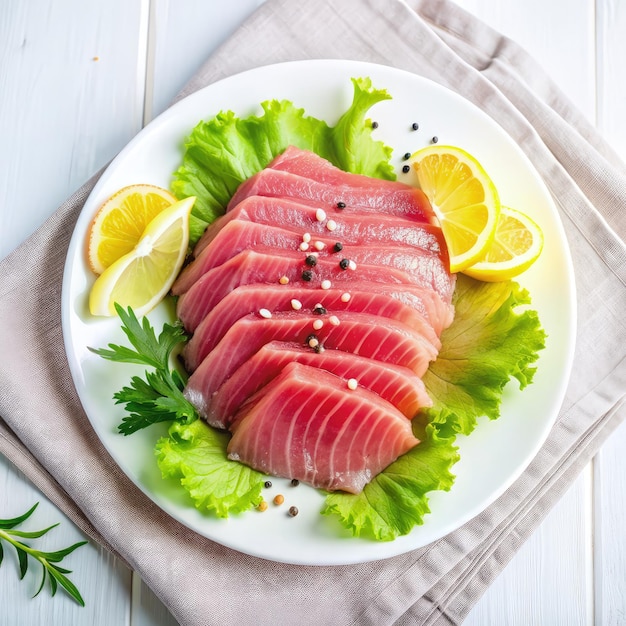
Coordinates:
x,y
395,500
196,454
223,152
488,344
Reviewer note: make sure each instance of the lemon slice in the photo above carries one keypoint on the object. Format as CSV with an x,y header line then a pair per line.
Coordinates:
x,y
143,277
517,244
464,199
120,222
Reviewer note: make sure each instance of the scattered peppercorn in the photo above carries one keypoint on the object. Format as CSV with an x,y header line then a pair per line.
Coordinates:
x,y
374,124
319,309
293,511
307,275
407,156
344,263
435,139
262,506
295,482
341,205
279,499
311,260
267,484
318,348
415,125
406,169
338,247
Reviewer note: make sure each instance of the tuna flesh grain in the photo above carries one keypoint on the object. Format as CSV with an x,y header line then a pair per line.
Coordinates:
x,y
309,425
398,385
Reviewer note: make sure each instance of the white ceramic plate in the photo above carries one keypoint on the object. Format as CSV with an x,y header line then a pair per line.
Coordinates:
x,y
496,453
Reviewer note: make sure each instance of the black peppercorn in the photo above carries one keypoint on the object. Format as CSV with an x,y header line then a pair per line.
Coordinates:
x,y
406,169
307,275
311,260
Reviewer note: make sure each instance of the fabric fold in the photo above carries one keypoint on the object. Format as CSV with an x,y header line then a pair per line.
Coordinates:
x,y
46,434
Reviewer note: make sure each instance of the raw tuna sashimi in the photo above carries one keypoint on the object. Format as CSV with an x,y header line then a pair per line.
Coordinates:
x,y
251,298
352,225
398,385
267,266
238,235
357,333
307,424
400,199
316,304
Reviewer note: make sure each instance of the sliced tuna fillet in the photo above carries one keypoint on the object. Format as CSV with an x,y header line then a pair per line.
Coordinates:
x,y
398,385
358,333
353,225
310,165
238,235
265,266
400,199
251,298
307,424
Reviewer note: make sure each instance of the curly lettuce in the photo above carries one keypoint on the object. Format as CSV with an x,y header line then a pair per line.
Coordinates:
x,y
226,150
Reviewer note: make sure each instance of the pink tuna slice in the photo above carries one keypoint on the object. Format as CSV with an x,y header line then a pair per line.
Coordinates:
x,y
358,333
251,298
354,225
393,198
398,385
238,235
310,165
307,424
269,266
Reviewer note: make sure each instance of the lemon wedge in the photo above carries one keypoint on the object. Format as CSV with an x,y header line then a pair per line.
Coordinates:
x,y
517,244
464,199
120,222
142,277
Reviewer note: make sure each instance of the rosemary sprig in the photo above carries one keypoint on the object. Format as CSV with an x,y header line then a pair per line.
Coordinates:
x,y
55,574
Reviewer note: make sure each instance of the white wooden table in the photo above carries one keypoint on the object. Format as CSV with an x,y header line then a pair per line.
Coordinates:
x,y
78,78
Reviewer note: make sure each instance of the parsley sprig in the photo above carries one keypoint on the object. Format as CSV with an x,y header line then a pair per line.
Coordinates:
x,y
55,574
159,396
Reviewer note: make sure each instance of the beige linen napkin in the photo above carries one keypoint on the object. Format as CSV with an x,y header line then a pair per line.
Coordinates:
x,y
46,434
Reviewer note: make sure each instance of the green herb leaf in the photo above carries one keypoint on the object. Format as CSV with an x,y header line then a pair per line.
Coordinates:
x,y
148,349
158,397
196,454
11,523
66,583
53,572
22,558
35,534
